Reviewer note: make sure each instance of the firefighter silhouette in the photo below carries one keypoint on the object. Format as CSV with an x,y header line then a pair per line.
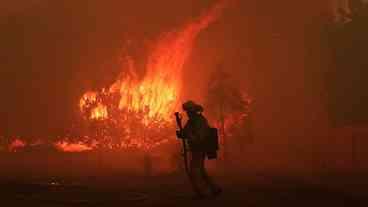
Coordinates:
x,y
196,131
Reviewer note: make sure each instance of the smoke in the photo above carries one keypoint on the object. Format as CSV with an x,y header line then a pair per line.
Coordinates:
x,y
261,43
16,7
343,5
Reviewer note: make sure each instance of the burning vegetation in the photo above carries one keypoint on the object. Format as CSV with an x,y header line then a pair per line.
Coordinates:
x,y
136,111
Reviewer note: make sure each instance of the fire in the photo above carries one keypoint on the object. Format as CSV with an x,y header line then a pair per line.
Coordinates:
x,y
65,146
135,111
88,98
97,111
16,144
157,94
100,112
141,108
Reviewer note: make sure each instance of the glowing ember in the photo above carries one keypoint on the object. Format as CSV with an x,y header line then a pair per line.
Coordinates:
x,y
96,110
88,98
73,147
16,144
100,112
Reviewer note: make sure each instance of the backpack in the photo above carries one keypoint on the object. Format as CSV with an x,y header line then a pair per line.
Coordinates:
x,y
212,143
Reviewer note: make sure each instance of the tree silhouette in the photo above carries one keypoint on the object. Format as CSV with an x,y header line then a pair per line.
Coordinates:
x,y
226,104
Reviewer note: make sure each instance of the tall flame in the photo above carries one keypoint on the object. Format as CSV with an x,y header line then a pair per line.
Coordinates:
x,y
159,91
143,105
150,99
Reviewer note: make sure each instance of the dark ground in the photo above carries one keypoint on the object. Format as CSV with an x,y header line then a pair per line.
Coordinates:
x,y
250,190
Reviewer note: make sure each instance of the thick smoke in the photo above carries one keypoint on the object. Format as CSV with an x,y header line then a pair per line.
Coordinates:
x,y
18,7
344,5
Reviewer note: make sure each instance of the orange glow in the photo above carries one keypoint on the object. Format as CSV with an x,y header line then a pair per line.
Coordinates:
x,y
157,94
147,103
136,111
99,112
159,91
65,146
88,97
16,144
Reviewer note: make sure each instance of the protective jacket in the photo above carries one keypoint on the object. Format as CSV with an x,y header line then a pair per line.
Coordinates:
x,y
196,131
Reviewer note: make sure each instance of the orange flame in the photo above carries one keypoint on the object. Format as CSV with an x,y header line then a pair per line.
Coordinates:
x,y
158,93
154,97
65,146
99,112
88,97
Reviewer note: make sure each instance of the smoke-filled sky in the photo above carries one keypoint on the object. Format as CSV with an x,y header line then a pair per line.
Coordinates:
x,y
53,51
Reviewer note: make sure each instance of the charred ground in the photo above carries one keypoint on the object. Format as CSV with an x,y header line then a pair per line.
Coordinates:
x,y
250,190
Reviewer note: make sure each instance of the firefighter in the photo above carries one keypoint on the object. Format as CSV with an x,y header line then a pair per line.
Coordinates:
x,y
195,131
